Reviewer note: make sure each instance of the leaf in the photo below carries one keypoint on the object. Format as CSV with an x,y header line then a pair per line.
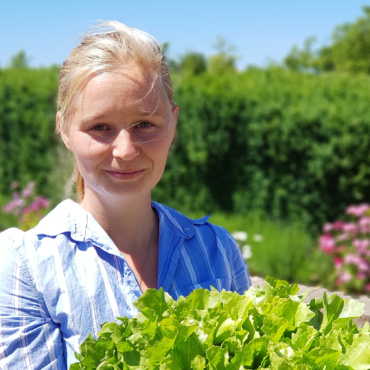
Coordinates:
x,y
112,330
188,350
304,337
357,354
226,330
154,300
274,327
75,367
252,354
201,299
322,358
198,363
217,357
237,306
351,310
333,306
158,352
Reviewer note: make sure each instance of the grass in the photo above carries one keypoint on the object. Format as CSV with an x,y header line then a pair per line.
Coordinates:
x,y
286,251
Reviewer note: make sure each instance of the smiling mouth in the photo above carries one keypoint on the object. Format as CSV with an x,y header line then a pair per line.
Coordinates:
x,y
126,175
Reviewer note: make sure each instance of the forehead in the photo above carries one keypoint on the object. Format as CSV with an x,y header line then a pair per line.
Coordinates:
x,y
127,89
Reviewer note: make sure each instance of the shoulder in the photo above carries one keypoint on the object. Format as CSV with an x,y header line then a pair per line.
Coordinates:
x,y
11,237
202,229
11,242
63,219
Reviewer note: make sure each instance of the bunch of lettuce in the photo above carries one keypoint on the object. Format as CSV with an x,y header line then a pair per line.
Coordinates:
x,y
269,328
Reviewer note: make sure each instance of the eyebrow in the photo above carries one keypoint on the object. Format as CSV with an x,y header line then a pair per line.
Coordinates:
x,y
141,113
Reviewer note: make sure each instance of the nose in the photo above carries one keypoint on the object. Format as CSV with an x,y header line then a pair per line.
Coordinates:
x,y
123,146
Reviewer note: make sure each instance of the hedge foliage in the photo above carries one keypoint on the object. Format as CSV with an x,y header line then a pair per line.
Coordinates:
x,y
295,146
27,118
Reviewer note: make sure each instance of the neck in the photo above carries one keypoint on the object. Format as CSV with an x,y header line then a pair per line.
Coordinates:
x,y
128,221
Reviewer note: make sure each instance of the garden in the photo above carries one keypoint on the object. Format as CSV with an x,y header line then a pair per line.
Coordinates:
x,y
279,156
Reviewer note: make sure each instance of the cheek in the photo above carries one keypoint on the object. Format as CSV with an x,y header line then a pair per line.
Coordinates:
x,y
87,150
159,153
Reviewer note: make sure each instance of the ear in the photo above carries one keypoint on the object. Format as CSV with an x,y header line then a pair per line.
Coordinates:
x,y
62,132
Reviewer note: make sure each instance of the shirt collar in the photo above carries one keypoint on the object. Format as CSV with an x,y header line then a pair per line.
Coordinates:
x,y
70,217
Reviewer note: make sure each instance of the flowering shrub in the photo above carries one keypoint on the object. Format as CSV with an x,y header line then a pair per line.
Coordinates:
x,y
348,243
26,206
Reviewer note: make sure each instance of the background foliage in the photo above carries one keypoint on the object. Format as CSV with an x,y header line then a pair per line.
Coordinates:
x,y
27,116
276,151
348,52
291,145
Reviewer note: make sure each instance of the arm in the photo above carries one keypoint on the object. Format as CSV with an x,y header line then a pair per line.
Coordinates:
x,y
241,278
29,339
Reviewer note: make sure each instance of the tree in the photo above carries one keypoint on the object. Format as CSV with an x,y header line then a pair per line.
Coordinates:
x,y
225,59
299,60
193,62
173,65
348,52
20,60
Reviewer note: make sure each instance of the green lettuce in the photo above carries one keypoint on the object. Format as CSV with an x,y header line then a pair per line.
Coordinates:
x,y
269,328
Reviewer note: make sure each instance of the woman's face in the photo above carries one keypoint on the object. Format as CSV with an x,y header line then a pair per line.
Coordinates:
x,y
120,133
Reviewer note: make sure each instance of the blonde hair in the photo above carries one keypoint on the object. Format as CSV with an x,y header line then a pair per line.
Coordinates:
x,y
105,48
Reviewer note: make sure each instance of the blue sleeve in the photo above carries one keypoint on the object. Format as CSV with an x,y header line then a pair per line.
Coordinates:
x,y
241,280
29,339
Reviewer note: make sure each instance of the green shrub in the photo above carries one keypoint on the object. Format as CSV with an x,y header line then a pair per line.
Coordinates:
x,y
295,146
27,116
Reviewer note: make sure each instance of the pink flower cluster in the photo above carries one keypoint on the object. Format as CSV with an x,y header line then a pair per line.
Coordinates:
x,y
348,243
25,202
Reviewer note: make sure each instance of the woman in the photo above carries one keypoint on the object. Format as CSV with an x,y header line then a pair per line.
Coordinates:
x,y
85,264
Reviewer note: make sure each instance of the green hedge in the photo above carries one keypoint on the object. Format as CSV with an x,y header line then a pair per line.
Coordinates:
x,y
27,117
296,146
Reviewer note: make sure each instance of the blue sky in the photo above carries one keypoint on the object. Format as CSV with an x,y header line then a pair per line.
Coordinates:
x,y
261,30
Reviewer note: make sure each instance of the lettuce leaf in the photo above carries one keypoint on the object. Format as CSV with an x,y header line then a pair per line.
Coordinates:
x,y
269,328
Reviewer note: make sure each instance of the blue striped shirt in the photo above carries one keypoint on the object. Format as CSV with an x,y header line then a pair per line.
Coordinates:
x,y
60,280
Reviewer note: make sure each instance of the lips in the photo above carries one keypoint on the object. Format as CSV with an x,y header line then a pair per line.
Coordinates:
x,y
126,174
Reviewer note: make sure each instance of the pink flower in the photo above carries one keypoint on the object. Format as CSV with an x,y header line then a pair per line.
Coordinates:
x,y
361,275
361,263
327,228
39,203
350,228
28,189
327,243
364,225
13,206
26,210
342,237
338,225
344,277
357,211
338,262
351,259
361,245
365,229
367,287
365,221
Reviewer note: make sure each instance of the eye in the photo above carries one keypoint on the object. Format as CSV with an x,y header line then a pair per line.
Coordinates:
x,y
99,128
144,124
